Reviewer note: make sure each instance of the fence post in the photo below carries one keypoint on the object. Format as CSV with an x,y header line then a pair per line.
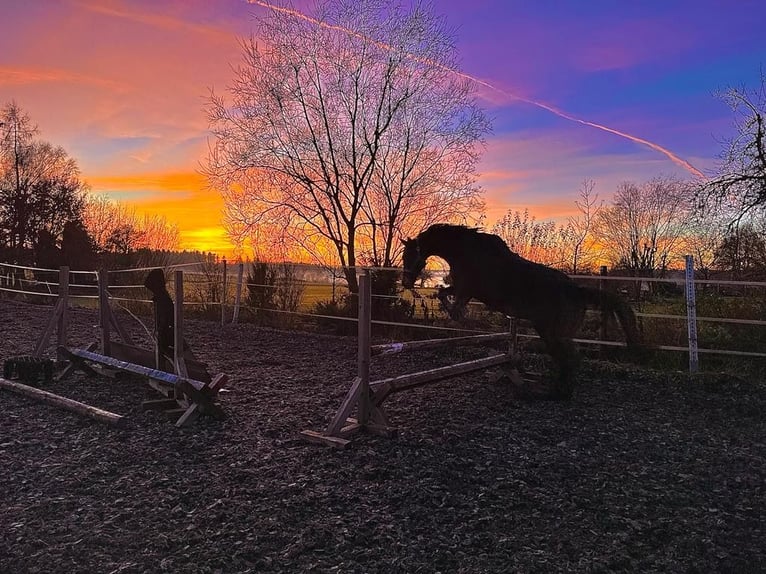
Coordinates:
x,y
364,351
604,322
63,322
691,314
179,364
103,306
238,295
223,295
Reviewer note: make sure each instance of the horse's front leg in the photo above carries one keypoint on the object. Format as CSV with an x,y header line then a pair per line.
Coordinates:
x,y
456,308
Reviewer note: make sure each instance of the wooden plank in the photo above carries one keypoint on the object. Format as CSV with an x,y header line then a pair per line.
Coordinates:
x,y
62,402
132,354
190,415
194,410
348,404
319,438
384,387
392,348
159,404
42,342
364,337
124,335
74,362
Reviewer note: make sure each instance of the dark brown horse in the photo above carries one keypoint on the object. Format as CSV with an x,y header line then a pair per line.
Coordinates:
x,y
484,268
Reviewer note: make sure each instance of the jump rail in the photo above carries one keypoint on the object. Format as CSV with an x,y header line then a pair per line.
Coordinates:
x,y
187,387
367,397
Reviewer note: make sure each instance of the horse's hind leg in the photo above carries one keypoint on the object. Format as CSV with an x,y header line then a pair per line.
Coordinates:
x,y
567,360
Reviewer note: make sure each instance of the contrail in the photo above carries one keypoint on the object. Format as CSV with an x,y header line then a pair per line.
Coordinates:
x,y
656,147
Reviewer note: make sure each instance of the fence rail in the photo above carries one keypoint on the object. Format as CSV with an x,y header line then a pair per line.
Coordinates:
x,y
20,280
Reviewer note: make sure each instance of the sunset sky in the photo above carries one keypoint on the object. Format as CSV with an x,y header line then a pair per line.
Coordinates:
x,y
121,85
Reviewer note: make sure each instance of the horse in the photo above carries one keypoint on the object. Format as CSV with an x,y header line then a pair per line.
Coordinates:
x,y
484,268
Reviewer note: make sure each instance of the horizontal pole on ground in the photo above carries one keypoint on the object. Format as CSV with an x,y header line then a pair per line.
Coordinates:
x,y
62,402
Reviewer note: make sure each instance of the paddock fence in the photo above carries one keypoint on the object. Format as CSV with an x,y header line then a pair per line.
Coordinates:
x,y
684,315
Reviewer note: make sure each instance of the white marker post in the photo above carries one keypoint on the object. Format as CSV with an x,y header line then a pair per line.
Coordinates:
x,y
691,314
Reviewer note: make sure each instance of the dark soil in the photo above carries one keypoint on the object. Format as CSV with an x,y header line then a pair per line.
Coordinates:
x,y
641,472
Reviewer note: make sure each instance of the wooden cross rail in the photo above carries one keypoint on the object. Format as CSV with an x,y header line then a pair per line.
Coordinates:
x,y
367,397
200,395
384,387
156,374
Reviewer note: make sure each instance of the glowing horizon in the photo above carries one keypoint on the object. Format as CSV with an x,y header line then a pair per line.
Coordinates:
x,y
121,86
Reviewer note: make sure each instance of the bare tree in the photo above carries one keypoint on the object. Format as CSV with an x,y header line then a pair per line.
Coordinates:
x,y
742,252
580,228
540,241
702,238
347,130
116,227
642,227
741,180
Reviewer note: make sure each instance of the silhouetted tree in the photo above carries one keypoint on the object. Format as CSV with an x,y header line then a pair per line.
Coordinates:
x,y
117,228
742,253
78,250
740,184
642,228
342,137
40,186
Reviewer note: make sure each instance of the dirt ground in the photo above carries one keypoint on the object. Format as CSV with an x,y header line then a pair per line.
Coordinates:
x,y
641,472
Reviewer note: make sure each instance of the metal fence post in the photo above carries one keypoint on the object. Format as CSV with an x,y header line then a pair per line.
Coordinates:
x,y
691,314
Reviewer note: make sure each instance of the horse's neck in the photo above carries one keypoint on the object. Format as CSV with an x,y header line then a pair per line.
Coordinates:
x,y
447,250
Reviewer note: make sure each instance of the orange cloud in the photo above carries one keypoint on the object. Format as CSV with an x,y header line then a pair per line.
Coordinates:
x,y
10,76
160,21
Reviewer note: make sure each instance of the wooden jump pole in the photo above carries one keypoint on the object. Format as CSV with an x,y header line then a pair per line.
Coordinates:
x,y
392,348
62,402
367,396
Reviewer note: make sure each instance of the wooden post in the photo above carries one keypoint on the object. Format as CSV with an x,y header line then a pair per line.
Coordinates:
x,y
364,334
238,295
178,326
63,323
59,319
604,323
223,295
103,306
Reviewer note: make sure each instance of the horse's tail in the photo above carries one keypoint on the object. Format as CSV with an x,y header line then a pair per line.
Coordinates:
x,y
613,303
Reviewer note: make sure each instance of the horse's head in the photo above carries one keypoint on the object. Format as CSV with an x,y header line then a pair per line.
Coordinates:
x,y
413,262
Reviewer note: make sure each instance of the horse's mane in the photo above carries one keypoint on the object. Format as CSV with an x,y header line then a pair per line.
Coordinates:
x,y
487,241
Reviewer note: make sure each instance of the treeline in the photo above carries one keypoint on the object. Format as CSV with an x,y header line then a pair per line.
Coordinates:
x,y
48,217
